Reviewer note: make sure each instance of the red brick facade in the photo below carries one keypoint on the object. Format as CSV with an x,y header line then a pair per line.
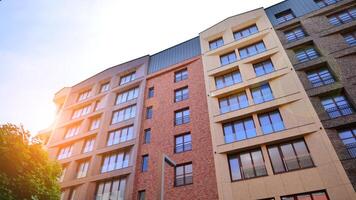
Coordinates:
x,y
163,132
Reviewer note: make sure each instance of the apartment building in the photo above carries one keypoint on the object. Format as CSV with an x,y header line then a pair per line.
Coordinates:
x,y
319,37
268,141
95,137
258,106
176,124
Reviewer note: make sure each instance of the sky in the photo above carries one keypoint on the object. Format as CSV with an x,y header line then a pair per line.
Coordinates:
x,y
46,45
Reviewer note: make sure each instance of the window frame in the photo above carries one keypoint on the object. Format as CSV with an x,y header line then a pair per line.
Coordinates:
x,y
339,19
235,132
318,77
247,49
182,75
118,133
182,95
230,57
271,121
184,143
150,93
216,43
241,166
282,17
351,147
348,34
184,119
281,156
225,77
262,65
241,31
298,33
130,76
305,52
104,87
337,108
147,136
295,196
144,163
184,174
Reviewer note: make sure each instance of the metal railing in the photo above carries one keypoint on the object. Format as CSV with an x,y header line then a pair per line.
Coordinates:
x,y
298,162
118,195
338,111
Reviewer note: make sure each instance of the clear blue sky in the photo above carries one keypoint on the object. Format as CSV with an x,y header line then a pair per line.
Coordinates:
x,y
46,45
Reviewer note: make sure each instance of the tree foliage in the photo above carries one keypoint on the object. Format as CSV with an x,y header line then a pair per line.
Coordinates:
x,y
26,172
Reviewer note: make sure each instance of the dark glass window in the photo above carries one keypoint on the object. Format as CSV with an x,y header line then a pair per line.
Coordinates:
x,y
181,94
239,130
271,122
337,106
180,75
149,112
252,50
182,116
343,17
320,195
263,68
285,16
233,102
295,34
144,164
228,79
216,43
348,137
320,77
247,165
141,195
324,3
151,92
183,174
238,35
350,38
147,136
183,143
262,94
306,54
228,58
290,156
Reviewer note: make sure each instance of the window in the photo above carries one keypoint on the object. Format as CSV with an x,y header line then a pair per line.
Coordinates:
x,y
247,165
252,50
124,114
343,17
294,34
127,78
84,95
182,117
238,35
264,67
228,79
181,94
72,131
81,112
239,130
183,143
324,3
149,112
64,170
114,161
320,195
120,135
72,193
141,195
306,54
262,94
111,189
99,104
65,152
350,38
89,145
105,87
233,102
83,169
144,164
183,174
348,137
336,106
95,123
271,122
290,156
228,58
151,92
216,43
320,77
127,96
147,136
285,16
181,75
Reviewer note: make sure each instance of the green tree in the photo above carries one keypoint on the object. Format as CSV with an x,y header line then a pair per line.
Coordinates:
x,y
26,172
